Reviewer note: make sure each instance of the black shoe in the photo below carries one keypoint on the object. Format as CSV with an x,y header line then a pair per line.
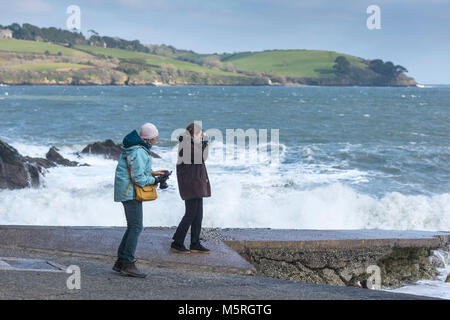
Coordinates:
x,y
129,269
198,248
118,265
177,248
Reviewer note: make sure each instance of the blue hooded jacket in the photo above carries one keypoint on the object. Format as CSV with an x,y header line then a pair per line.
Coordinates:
x,y
136,152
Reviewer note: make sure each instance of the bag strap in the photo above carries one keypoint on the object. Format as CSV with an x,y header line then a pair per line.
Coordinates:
x,y
129,173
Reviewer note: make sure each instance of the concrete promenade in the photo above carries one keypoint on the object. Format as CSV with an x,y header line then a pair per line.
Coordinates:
x,y
223,274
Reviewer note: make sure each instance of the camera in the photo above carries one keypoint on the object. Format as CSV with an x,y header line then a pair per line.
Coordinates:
x,y
163,180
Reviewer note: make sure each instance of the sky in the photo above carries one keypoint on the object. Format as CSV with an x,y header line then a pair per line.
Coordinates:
x,y
413,33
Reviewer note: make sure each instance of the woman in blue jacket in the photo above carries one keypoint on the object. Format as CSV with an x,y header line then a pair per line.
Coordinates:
x,y
135,160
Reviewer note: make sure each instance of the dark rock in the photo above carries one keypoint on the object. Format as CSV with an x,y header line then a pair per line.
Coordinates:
x,y
53,156
84,165
108,149
40,162
13,172
448,278
17,171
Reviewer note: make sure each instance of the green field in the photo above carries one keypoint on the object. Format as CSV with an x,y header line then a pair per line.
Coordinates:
x,y
87,64
36,47
291,63
51,66
294,63
154,60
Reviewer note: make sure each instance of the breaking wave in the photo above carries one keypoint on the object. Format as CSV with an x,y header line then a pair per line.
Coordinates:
x,y
244,194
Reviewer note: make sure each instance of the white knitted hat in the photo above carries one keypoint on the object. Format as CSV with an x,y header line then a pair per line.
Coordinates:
x,y
148,131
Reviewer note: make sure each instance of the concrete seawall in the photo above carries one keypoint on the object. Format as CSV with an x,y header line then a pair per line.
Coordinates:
x,y
337,257
340,257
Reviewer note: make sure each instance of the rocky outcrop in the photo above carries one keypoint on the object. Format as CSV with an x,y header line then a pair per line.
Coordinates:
x,y
18,172
54,157
108,149
403,80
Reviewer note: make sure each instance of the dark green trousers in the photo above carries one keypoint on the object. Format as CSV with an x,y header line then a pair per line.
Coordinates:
x,y
133,213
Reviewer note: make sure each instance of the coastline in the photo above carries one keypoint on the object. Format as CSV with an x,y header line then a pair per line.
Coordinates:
x,y
202,85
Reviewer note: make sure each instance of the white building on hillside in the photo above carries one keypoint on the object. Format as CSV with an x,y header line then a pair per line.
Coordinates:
x,y
5,34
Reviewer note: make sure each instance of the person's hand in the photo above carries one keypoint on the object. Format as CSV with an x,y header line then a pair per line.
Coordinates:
x,y
158,172
205,137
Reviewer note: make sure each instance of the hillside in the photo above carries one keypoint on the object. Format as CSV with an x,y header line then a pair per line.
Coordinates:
x,y
316,67
31,62
152,60
291,63
38,62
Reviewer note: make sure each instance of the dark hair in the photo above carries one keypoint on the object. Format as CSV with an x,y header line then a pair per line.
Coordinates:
x,y
193,128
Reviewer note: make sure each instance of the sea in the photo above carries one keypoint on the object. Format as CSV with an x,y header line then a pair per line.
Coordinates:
x,y
337,157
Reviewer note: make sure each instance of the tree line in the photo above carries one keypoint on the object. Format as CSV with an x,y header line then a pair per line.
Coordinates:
x,y
386,70
28,31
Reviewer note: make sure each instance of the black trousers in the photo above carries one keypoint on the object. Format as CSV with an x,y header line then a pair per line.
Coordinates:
x,y
192,218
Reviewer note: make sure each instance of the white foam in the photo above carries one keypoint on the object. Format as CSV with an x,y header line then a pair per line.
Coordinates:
x,y
437,288
29,149
292,196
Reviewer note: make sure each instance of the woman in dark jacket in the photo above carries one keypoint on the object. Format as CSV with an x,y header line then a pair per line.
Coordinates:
x,y
193,184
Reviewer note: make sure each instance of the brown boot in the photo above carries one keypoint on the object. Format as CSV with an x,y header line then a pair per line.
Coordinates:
x,y
130,270
118,265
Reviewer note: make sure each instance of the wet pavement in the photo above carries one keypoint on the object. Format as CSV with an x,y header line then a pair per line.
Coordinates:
x,y
98,281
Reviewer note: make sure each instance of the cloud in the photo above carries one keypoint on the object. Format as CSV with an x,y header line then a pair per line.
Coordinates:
x,y
31,6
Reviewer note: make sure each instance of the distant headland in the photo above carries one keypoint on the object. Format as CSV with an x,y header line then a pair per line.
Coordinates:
x,y
30,55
